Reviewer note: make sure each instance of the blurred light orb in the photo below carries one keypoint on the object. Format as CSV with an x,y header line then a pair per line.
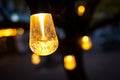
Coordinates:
x,y
35,59
69,62
85,43
81,10
20,31
14,18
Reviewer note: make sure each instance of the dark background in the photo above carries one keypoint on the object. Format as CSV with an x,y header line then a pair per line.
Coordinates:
x,y
101,22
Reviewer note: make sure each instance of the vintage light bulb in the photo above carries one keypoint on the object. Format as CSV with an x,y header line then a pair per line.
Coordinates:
x,y
69,62
43,39
85,42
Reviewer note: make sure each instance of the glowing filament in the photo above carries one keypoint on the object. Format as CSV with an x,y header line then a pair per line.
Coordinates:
x,y
41,17
43,38
69,62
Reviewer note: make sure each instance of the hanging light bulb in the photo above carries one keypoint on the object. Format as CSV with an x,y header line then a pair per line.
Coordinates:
x,y
85,42
69,62
43,39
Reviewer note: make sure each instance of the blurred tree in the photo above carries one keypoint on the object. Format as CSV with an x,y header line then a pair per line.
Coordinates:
x,y
108,11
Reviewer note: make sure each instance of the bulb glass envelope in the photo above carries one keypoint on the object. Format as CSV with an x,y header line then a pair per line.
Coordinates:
x,y
43,39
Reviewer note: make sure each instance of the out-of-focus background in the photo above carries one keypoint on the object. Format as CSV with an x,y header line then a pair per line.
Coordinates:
x,y
100,21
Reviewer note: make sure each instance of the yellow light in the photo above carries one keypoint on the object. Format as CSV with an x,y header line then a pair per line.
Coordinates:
x,y
35,59
8,32
69,62
43,39
85,43
81,10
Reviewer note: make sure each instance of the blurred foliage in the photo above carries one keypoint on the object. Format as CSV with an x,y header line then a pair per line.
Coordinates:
x,y
107,9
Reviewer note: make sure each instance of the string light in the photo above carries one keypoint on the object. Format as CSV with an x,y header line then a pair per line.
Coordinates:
x,y
8,32
69,62
85,43
81,10
43,39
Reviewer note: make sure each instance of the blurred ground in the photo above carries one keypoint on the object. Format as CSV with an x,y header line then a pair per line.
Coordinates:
x,y
99,65
16,67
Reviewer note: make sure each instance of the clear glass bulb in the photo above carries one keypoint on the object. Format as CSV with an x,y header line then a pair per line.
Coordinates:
x,y
43,39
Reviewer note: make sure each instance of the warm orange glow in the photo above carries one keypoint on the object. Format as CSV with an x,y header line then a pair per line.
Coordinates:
x,y
35,59
43,38
85,43
20,31
69,62
7,32
81,10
